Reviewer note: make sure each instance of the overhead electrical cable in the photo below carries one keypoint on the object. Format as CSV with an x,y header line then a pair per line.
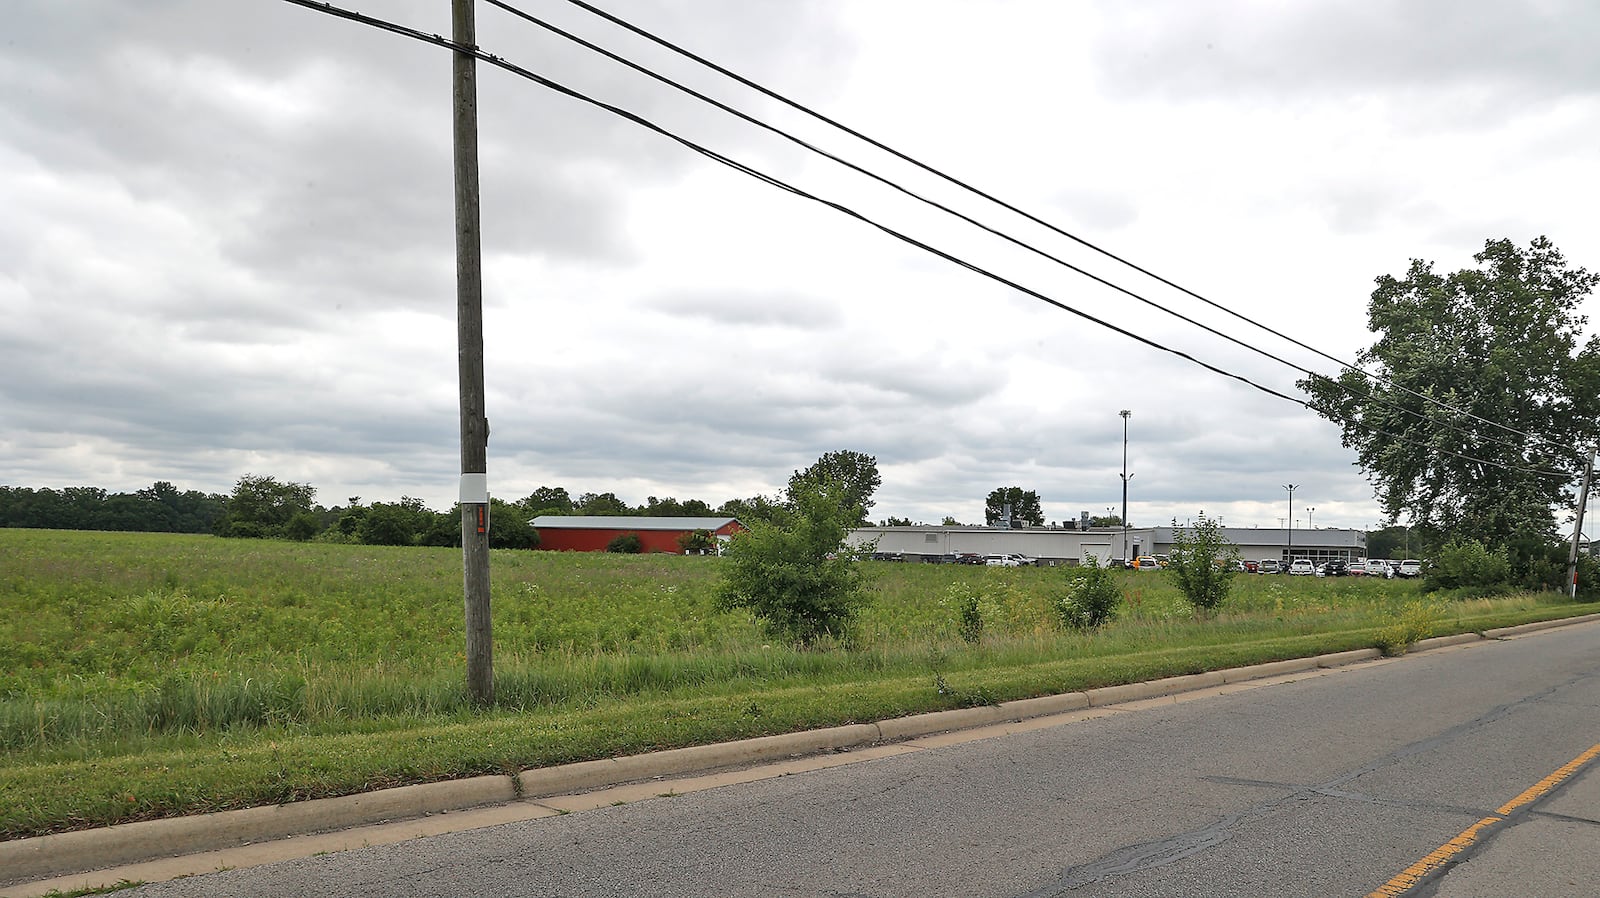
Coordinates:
x,y
749,119
515,69
800,107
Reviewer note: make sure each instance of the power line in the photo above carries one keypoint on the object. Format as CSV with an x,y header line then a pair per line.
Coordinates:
x,y
621,60
515,69
800,107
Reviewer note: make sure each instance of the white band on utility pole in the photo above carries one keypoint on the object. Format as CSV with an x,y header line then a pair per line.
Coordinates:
x,y
474,489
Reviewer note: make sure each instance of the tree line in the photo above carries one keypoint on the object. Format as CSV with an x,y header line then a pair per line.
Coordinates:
x,y
159,508
265,507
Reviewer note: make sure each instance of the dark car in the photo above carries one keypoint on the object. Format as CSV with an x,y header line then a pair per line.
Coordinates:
x,y
1336,567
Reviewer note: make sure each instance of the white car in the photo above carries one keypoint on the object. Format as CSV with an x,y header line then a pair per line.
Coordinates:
x,y
1409,568
1377,567
1302,567
1001,561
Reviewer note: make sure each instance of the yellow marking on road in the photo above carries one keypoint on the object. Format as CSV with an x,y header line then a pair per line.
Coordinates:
x,y
1443,854
1538,790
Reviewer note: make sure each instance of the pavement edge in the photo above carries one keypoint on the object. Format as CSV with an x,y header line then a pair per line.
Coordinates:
x,y
66,853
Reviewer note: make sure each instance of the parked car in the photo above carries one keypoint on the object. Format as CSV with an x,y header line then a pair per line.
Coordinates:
x,y
1253,567
1302,567
1025,560
1001,561
969,558
1377,567
1146,563
1335,567
1357,568
1409,568
1268,566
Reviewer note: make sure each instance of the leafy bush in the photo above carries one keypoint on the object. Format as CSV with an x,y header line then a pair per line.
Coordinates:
x,y
799,577
1541,565
968,603
1203,563
627,544
698,542
1465,564
1089,599
1414,622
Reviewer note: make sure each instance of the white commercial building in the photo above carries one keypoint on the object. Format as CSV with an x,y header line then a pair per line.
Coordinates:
x,y
1064,545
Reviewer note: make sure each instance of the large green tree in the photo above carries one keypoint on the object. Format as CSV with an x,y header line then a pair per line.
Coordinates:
x,y
851,476
547,500
799,577
768,509
263,506
1025,508
1482,396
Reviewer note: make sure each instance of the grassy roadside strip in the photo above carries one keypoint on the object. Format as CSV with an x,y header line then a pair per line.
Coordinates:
x,y
271,767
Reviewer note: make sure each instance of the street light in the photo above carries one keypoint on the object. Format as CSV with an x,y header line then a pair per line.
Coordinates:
x,y
1309,510
1125,475
1291,487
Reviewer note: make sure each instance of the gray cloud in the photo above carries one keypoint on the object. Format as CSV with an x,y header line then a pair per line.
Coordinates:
x,y
1491,58
229,247
760,308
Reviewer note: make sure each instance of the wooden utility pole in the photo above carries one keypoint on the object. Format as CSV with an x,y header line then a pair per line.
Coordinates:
x,y
469,341
1577,526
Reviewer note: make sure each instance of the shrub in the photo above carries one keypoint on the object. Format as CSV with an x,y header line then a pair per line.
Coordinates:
x,y
1089,599
1203,563
1414,622
968,603
799,577
698,542
1466,564
627,543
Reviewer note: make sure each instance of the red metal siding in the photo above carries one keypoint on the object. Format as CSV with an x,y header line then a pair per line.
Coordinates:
x,y
564,539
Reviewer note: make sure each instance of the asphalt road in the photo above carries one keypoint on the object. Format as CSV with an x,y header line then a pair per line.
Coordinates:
x,y
1328,786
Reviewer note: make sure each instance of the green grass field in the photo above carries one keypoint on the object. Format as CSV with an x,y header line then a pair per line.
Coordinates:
x,y
146,675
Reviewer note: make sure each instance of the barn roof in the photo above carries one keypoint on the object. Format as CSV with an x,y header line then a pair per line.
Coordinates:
x,y
628,522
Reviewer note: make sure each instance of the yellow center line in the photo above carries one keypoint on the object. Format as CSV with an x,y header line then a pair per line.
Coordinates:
x,y
1538,790
1442,855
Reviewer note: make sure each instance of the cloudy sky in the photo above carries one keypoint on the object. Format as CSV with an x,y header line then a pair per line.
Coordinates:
x,y
227,241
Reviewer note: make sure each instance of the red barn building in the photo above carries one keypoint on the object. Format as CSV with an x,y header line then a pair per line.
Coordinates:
x,y
592,533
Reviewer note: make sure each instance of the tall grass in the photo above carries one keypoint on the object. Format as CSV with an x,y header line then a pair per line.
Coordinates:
x,y
107,639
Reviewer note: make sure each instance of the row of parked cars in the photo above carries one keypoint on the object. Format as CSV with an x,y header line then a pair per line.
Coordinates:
x,y
1339,567
1009,559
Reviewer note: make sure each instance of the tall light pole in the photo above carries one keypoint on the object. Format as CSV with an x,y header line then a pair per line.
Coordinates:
x,y
1309,510
1125,475
1291,487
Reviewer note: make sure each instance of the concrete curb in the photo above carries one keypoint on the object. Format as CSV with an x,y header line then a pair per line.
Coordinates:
x,y
35,858
42,856
609,771
1503,632
1439,642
